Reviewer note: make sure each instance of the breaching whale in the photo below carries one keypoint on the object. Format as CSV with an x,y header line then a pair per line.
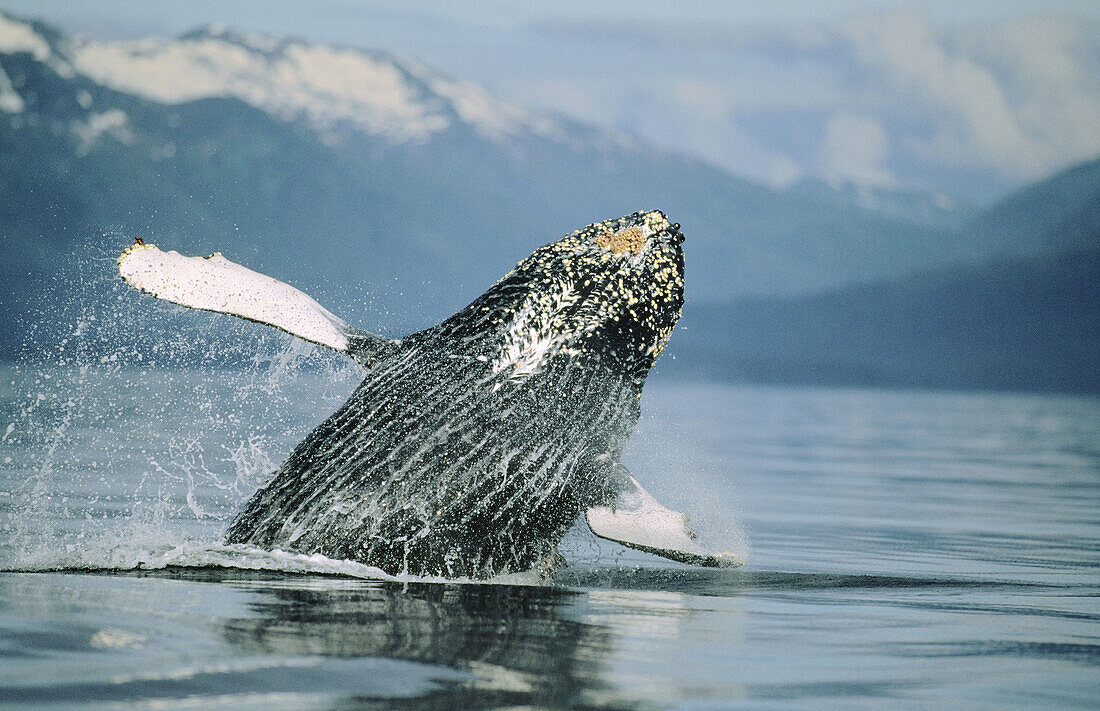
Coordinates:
x,y
472,446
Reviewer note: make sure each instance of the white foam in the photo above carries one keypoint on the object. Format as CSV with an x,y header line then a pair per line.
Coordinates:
x,y
108,555
527,347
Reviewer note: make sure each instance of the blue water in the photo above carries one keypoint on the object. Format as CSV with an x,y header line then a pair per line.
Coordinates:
x,y
904,550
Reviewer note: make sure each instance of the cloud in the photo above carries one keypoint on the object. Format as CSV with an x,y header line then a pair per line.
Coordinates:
x,y
853,151
1008,98
700,118
966,105
1051,69
884,99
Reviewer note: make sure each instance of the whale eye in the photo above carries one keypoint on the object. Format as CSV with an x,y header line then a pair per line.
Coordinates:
x,y
631,239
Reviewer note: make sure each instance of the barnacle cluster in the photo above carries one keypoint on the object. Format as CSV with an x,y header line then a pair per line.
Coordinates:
x,y
631,239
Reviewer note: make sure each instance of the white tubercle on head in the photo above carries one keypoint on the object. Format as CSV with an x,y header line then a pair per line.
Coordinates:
x,y
216,284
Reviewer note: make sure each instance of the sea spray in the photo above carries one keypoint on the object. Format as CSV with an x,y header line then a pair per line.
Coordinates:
x,y
121,441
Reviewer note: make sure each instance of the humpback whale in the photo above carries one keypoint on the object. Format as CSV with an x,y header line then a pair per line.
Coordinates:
x,y
470,447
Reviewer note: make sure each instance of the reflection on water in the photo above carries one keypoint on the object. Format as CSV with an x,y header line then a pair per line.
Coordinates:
x,y
239,636
616,638
512,640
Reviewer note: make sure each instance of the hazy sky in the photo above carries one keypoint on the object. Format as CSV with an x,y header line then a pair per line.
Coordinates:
x,y
321,18
966,98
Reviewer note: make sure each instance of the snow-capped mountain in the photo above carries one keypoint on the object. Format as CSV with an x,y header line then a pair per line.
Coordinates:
x,y
349,172
332,89
339,92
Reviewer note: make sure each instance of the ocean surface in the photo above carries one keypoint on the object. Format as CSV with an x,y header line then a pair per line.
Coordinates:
x,y
904,550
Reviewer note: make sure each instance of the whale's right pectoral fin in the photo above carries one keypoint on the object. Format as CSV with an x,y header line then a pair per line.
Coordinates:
x,y
216,284
637,520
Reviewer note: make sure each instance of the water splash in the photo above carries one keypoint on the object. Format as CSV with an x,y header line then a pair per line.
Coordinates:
x,y
138,428
135,434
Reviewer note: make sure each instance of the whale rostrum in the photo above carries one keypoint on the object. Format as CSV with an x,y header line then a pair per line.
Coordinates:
x,y
470,447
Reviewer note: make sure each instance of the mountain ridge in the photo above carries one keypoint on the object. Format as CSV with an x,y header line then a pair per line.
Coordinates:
x,y
534,181
1059,212
1014,323
408,231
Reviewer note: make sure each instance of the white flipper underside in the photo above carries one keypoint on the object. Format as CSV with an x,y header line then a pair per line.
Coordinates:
x,y
216,284
638,520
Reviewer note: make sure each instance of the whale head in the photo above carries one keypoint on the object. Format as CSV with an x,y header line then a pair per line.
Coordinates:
x,y
606,296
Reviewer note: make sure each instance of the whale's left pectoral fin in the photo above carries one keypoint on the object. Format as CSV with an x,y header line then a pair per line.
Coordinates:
x,y
216,284
637,520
